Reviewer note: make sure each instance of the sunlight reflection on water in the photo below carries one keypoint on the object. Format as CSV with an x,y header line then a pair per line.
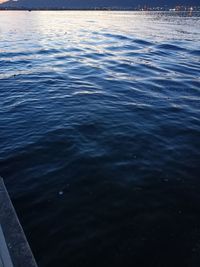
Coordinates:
x,y
100,126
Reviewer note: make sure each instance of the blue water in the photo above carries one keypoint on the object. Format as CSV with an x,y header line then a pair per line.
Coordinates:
x,y
100,135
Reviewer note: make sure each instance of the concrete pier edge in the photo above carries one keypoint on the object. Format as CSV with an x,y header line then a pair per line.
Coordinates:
x,y
14,248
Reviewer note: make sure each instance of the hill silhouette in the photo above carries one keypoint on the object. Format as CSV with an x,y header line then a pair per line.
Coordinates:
x,y
84,4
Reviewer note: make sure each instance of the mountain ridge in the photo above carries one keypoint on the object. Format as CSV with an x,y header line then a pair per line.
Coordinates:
x,y
91,4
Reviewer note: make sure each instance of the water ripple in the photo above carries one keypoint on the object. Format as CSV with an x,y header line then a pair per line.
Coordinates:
x,y
100,132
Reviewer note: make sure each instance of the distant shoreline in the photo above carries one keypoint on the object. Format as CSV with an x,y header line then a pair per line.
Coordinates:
x,y
92,9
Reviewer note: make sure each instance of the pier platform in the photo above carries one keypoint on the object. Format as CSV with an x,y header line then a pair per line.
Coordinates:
x,y
14,248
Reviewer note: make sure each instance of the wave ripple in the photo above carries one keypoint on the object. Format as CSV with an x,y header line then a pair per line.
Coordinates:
x,y
100,132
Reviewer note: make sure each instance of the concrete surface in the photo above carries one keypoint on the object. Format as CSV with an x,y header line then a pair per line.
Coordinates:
x,y
14,248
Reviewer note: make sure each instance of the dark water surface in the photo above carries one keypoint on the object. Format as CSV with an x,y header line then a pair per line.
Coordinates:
x,y
100,134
